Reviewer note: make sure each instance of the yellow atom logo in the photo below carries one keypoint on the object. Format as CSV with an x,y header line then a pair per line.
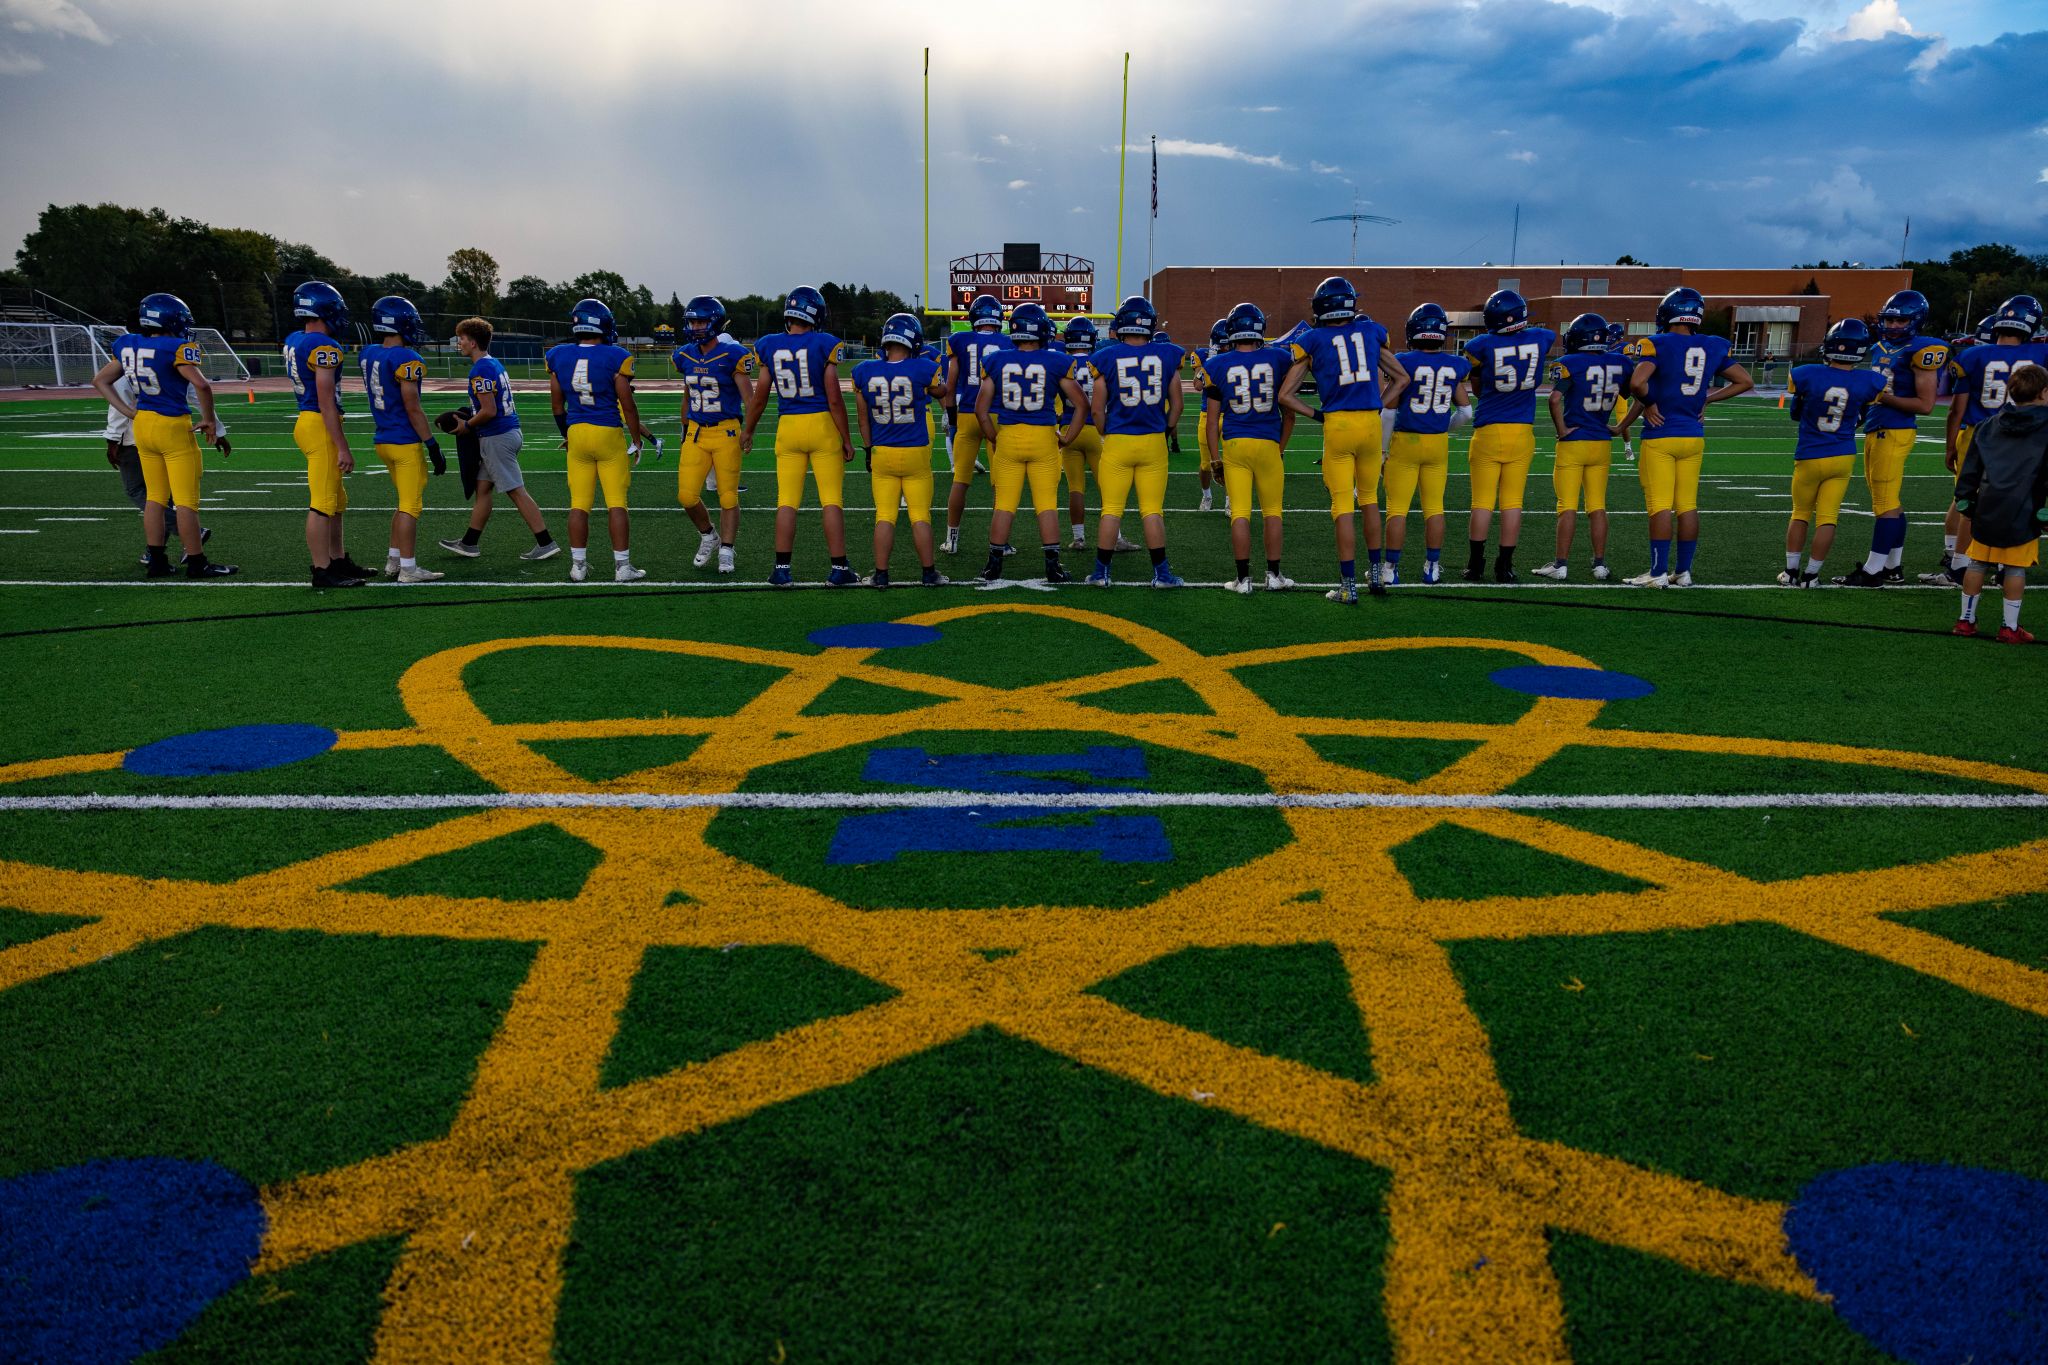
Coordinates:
x,y
486,1209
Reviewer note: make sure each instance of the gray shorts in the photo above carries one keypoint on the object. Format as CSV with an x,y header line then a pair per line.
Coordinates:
x,y
499,456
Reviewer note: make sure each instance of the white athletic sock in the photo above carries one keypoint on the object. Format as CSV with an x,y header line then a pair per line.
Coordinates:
x,y
2012,613
1970,606
621,556
1959,561
1874,562
578,555
1792,561
1895,557
1814,566
392,553
1948,544
406,562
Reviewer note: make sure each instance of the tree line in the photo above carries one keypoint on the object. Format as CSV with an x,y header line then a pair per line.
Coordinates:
x,y
102,258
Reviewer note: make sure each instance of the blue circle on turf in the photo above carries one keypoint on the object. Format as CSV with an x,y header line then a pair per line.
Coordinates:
x,y
1577,684
1931,1263
873,635
237,749
109,1259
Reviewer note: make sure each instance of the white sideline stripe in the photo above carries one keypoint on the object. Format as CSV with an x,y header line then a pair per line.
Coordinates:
x,y
977,801
1302,587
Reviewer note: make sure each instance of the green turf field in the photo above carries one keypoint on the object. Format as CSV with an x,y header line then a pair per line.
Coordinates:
x,y
495,970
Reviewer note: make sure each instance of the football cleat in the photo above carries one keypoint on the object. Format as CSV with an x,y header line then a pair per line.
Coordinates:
x,y
348,568
579,570
534,554
1601,573
1472,575
391,566
1276,582
1432,571
781,577
1787,578
2015,635
1079,540
1383,576
1057,573
1241,586
416,574
208,569
1164,577
1503,574
878,579
1346,592
1208,500
327,578
707,546
932,578
1008,550
842,578
1859,577
626,573
1943,577
951,545
1098,577
1649,580
725,559
1809,580
1559,571
157,570
1894,574
1682,580
1124,545
467,551
1965,628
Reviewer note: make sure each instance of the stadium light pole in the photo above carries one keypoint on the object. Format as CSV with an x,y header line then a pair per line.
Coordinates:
x,y
927,172
1123,147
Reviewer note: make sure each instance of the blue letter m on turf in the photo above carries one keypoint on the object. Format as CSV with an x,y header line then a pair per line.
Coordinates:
x,y
880,837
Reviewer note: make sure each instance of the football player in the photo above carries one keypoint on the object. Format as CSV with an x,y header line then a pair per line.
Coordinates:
x,y
1419,446
122,455
801,366
2000,491
716,392
1674,375
1617,344
392,370
1585,383
1017,403
892,393
1242,407
1079,339
1914,364
1828,400
1137,398
1210,466
590,387
312,361
1348,353
1507,365
966,352
493,419
1980,378
165,375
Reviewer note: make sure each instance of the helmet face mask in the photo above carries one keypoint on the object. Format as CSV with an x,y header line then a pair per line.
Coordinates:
x,y
1902,316
703,318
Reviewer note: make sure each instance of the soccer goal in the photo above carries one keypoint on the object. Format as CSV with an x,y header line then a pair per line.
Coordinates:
x,y
48,354
220,360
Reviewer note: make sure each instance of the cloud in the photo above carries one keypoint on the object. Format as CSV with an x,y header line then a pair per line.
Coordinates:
x,y
60,17
1020,184
1259,109
13,63
1320,169
2044,176
1881,19
1690,130
1524,155
1219,151
975,157
1002,140
1083,208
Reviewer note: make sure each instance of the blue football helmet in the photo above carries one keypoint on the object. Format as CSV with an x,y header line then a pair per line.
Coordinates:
x,y
394,315
1847,342
2021,313
903,330
1586,332
705,310
1028,322
1218,335
1506,311
1245,323
804,304
1617,336
985,314
1135,317
1429,322
590,317
167,313
1081,336
321,300
1681,305
1902,316
1162,335
1334,301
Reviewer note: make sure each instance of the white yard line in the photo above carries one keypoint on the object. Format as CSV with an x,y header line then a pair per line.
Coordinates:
x,y
1132,576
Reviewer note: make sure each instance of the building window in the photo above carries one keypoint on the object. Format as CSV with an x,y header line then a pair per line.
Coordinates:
x,y
1596,286
1510,282
1572,288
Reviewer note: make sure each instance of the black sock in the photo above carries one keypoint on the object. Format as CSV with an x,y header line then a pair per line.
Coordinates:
x,y
476,533
1052,554
1506,558
158,557
782,559
1273,567
839,562
1478,557
1244,568
197,561
1158,556
540,537
994,567
725,544
1106,557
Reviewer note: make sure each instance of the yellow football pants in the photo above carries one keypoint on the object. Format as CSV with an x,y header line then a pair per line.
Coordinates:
x,y
1500,459
407,465
597,457
1133,461
703,450
325,492
1026,454
171,462
1253,463
808,441
1351,460
1422,460
1669,467
1884,466
1582,467
1818,486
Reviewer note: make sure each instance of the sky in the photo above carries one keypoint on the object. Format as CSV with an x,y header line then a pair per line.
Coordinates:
x,y
750,148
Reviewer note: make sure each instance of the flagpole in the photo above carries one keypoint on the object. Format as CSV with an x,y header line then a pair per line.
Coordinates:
x,y
928,180
1152,223
1122,146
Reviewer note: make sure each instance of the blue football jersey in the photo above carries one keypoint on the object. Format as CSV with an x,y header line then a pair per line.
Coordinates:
x,y
1138,377
304,353
1592,382
713,394
972,350
895,393
1434,376
1250,385
1686,368
487,376
1345,359
1506,368
1979,375
1027,385
151,364
795,363
383,368
1900,365
586,374
1827,403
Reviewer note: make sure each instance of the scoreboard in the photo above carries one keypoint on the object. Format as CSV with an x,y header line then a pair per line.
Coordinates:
x,y
1021,273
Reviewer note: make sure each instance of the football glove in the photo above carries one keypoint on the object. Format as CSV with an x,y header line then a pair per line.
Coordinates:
x,y
435,457
562,424
1173,441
